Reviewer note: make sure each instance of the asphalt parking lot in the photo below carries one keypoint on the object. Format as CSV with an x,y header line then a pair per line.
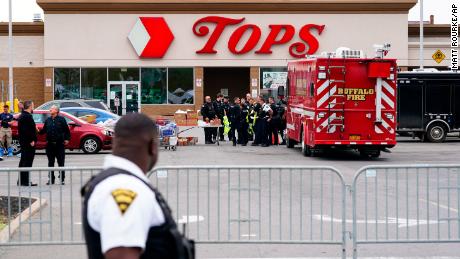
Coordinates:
x,y
407,151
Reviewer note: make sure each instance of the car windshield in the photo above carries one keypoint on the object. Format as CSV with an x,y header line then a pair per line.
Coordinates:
x,y
70,117
97,104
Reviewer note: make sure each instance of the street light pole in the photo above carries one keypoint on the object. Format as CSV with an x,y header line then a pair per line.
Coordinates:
x,y
10,50
421,34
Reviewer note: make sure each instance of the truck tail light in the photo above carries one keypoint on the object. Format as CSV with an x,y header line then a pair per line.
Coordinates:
x,y
322,75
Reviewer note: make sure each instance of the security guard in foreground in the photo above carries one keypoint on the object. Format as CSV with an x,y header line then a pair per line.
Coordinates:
x,y
123,215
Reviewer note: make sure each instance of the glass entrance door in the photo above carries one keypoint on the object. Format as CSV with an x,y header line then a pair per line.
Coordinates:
x,y
123,97
132,97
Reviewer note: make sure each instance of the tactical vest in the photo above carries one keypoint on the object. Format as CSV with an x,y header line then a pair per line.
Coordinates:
x,y
164,241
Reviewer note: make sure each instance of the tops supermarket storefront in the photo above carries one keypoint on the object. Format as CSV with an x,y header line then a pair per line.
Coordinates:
x,y
160,56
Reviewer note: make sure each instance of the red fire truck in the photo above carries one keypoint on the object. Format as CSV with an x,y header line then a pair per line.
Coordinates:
x,y
342,100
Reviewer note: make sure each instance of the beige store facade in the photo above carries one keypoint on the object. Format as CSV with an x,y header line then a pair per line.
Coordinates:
x,y
84,48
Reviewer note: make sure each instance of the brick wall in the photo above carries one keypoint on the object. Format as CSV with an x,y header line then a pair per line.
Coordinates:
x,y
254,76
28,81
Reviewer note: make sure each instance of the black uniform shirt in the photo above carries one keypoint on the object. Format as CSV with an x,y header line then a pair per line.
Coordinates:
x,y
27,129
218,108
56,130
208,111
235,114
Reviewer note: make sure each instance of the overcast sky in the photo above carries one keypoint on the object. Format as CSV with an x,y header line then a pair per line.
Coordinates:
x,y
23,10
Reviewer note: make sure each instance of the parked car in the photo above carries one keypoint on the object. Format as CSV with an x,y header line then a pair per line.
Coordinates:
x,y
90,103
90,138
101,117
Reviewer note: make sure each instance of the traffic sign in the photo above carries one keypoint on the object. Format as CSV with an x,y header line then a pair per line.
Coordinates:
x,y
438,56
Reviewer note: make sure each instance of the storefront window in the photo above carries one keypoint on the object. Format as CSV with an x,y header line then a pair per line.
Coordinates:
x,y
124,74
153,86
94,83
180,86
66,83
271,78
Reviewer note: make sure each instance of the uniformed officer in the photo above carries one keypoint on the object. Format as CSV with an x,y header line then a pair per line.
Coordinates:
x,y
244,123
282,106
273,122
123,215
257,121
218,107
209,113
226,108
6,120
27,131
235,121
265,114
57,137
251,119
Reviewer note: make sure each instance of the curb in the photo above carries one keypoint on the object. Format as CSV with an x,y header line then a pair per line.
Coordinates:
x,y
25,215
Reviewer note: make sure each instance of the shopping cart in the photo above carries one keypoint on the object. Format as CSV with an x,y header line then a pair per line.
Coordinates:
x,y
168,135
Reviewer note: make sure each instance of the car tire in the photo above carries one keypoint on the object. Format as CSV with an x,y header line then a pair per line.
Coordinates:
x,y
16,146
91,145
306,151
436,133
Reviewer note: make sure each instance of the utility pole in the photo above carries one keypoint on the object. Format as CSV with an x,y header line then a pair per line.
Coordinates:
x,y
421,34
10,50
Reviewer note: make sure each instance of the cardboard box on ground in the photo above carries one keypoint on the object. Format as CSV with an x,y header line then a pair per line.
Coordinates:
x,y
186,118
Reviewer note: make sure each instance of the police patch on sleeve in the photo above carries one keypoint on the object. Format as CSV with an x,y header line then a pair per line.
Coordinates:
x,y
123,198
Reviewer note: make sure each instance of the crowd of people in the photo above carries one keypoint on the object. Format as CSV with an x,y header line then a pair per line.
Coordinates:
x,y
258,120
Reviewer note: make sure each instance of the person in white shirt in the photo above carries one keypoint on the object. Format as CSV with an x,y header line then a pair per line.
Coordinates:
x,y
123,215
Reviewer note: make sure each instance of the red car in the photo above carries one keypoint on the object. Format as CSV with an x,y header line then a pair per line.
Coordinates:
x,y
90,138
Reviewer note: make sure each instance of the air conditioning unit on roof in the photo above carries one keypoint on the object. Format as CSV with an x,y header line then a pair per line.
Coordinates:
x,y
343,52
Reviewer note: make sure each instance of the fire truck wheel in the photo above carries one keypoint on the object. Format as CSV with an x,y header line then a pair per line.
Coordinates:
x,y
376,154
436,133
306,151
289,143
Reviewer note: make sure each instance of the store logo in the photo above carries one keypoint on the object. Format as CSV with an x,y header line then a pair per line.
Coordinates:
x,y
151,37
279,34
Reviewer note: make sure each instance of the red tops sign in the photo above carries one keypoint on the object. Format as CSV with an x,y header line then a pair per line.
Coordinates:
x,y
280,34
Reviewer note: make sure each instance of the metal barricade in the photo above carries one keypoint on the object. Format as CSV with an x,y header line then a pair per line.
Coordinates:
x,y
231,205
266,205
42,214
406,204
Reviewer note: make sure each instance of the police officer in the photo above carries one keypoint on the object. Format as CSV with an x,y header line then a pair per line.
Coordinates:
x,y
27,131
265,114
251,119
226,107
244,123
57,137
218,107
257,121
123,215
209,113
235,121
6,120
274,122
281,107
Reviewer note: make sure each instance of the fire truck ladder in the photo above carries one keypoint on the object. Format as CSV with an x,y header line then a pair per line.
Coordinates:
x,y
337,106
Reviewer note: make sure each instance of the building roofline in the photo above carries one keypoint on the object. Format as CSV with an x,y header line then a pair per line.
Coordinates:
x,y
38,28
226,6
429,30
23,28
